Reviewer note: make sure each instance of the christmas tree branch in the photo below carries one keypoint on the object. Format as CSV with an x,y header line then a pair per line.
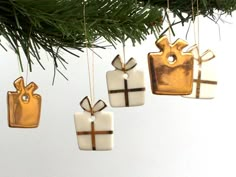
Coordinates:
x,y
206,8
55,25
59,24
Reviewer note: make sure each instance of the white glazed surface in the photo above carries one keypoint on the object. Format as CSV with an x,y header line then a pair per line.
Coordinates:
x,y
115,81
103,122
208,72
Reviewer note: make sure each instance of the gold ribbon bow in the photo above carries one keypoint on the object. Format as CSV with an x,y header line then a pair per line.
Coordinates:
x,y
206,56
164,45
21,88
119,65
86,105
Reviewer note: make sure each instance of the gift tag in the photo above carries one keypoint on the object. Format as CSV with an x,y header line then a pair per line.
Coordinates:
x,y
125,84
205,80
171,70
94,127
23,105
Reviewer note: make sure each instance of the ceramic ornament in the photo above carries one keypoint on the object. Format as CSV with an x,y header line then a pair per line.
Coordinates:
x,y
205,79
125,84
94,127
24,106
171,69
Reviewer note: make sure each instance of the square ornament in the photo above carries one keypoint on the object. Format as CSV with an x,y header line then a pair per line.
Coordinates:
x,y
171,69
205,77
126,86
24,106
94,127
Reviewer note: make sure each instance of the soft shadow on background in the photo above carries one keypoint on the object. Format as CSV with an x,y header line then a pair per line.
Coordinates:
x,y
169,136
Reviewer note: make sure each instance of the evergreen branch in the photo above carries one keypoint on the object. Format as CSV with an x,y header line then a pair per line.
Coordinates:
x,y
59,24
207,8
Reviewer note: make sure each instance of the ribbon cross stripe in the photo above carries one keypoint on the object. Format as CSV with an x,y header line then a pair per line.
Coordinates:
x,y
98,106
206,56
129,65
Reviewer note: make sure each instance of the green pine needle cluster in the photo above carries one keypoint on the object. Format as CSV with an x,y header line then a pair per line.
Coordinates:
x,y
55,25
207,8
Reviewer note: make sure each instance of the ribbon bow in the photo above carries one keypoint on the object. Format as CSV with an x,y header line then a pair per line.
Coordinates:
x,y
206,56
86,105
119,65
164,44
20,87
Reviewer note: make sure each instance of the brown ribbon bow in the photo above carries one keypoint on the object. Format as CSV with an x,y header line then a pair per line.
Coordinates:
x,y
86,105
119,65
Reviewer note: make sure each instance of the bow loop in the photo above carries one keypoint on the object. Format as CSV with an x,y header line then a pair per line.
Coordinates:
x,y
20,86
119,65
180,44
163,44
130,64
206,56
86,105
31,87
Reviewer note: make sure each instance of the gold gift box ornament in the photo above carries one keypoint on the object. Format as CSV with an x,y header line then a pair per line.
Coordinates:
x,y
171,69
24,106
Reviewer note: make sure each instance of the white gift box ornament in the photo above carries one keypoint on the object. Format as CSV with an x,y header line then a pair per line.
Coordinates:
x,y
97,133
125,84
205,79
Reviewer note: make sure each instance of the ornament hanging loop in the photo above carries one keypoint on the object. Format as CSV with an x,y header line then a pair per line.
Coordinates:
x,y
124,56
87,45
168,19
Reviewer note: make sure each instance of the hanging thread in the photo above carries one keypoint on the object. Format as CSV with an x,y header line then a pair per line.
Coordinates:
x,y
19,67
93,73
198,25
27,74
193,18
21,71
196,21
90,73
168,13
124,57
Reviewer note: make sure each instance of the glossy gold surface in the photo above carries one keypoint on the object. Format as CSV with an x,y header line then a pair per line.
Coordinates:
x,y
171,70
23,105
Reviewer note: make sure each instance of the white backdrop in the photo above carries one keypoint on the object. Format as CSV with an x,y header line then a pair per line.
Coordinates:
x,y
169,136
